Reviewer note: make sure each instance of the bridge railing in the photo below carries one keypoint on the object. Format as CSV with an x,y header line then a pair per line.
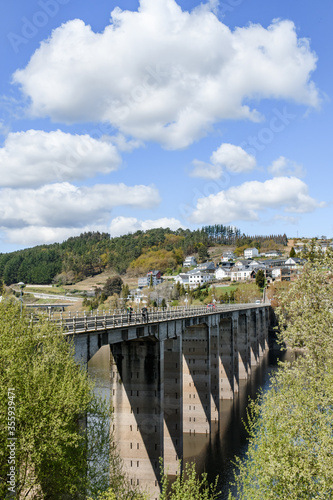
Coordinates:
x,y
118,319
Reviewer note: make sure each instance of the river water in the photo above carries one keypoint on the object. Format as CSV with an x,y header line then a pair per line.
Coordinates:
x,y
215,453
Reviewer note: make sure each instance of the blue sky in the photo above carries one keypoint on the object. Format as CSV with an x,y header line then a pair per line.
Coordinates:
x,y
118,116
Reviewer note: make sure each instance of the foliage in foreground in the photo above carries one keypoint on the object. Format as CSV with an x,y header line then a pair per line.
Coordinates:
x,y
187,486
290,452
49,401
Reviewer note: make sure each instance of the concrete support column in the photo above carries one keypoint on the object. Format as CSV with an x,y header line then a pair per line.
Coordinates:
x,y
226,359
254,339
261,342
244,369
137,395
267,321
214,373
235,340
196,381
173,404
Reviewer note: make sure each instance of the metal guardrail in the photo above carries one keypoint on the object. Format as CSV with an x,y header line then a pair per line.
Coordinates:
x,y
118,319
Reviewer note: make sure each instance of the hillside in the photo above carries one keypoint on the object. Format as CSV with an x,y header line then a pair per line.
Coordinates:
x,y
93,253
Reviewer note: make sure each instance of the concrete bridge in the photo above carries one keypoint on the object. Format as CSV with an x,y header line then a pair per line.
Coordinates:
x,y
170,375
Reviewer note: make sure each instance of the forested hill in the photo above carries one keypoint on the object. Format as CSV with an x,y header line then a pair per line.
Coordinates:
x,y
91,253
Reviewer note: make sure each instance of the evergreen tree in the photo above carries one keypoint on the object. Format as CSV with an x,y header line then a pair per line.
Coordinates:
x,y
112,286
292,252
260,278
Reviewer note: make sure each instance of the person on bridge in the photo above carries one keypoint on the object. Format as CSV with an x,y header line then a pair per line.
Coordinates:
x,y
144,312
129,313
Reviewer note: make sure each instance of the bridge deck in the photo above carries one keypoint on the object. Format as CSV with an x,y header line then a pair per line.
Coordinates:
x,y
85,324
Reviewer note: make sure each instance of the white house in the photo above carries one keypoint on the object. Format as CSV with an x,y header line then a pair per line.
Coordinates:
x,y
183,279
223,272
294,262
190,261
198,277
250,253
255,264
241,273
273,253
228,255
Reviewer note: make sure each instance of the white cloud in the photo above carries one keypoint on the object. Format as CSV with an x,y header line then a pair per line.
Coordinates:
x,y
283,166
64,205
124,225
233,158
287,219
244,202
206,170
43,235
122,143
164,74
226,157
35,157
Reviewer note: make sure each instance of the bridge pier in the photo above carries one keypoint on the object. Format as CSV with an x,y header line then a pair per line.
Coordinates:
x,y
173,403
168,379
137,395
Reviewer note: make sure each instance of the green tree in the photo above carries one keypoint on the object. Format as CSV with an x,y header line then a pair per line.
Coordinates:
x,y
112,286
260,278
292,252
290,452
203,252
125,291
188,485
53,404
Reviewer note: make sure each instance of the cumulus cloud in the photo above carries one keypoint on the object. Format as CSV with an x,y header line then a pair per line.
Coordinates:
x,y
189,71
283,166
233,158
34,235
206,170
35,157
65,205
226,157
124,225
244,202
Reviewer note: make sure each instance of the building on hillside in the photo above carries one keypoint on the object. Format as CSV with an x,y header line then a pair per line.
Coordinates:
x,y
250,253
152,278
272,253
256,265
270,263
325,245
243,273
223,272
207,266
190,261
243,262
294,262
136,295
183,279
227,256
198,277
